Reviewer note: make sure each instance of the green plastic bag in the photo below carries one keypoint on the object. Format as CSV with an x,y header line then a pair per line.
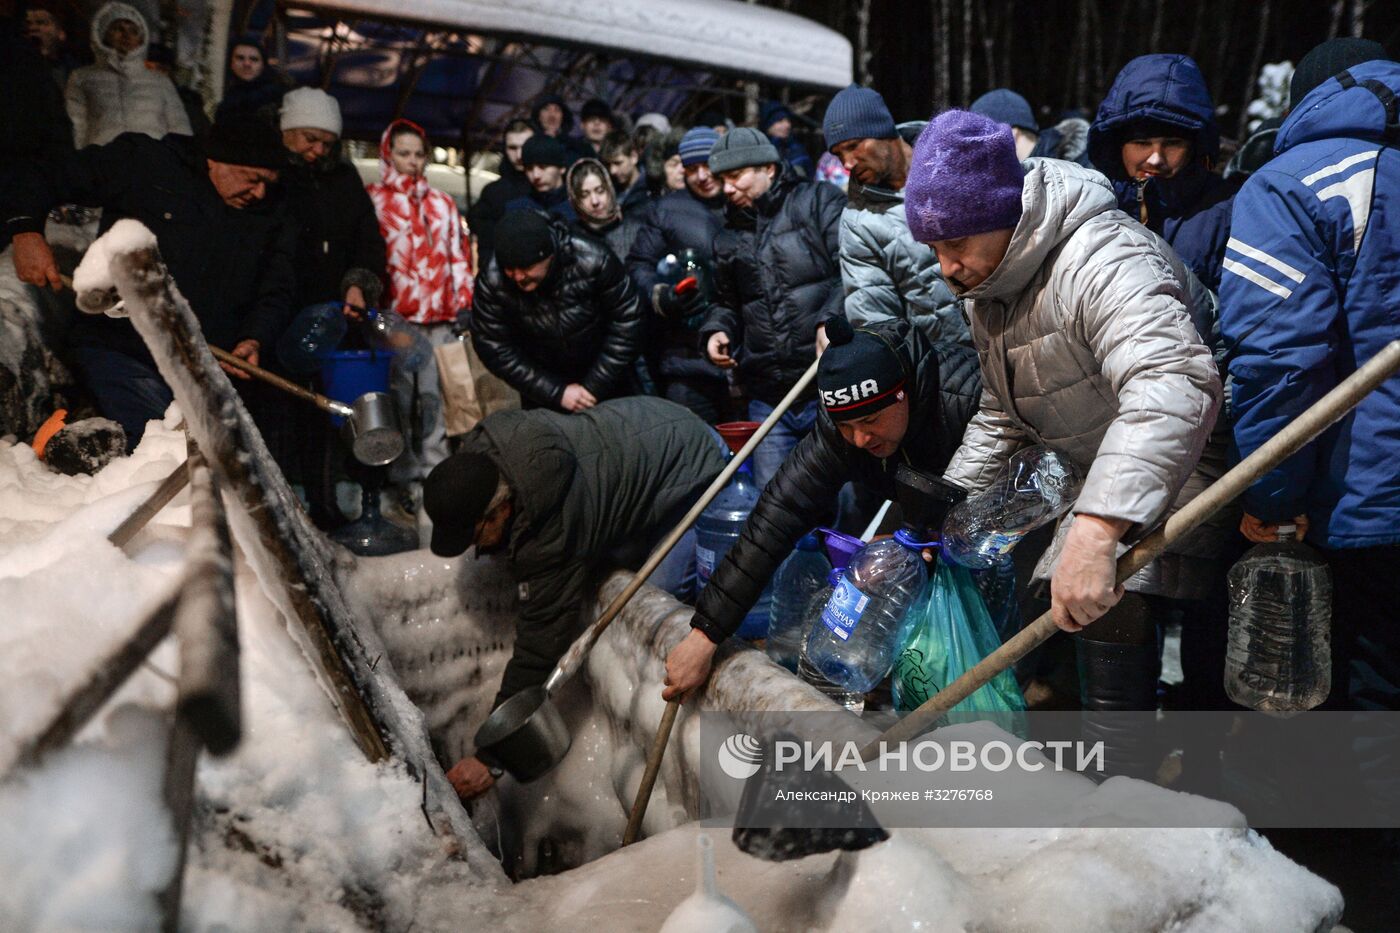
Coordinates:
x,y
948,631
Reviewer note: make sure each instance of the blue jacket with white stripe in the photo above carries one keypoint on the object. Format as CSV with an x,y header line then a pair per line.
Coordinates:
x,y
1311,290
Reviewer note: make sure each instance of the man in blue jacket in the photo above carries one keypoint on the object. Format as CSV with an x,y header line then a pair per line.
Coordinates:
x,y
1310,292
1156,139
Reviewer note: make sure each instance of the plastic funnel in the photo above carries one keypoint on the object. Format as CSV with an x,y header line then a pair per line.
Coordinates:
x,y
736,433
840,547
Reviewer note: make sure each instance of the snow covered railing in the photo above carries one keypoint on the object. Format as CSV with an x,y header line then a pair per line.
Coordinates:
x,y
295,563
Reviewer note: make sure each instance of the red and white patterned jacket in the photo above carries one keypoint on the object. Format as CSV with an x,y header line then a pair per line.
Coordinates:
x,y
430,277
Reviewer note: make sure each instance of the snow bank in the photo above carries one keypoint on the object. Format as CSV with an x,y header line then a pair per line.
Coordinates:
x,y
296,830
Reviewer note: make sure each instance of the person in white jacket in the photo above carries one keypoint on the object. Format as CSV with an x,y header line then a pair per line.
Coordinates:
x,y
118,93
1086,327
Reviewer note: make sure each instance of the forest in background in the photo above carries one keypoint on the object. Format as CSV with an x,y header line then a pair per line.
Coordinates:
x,y
926,55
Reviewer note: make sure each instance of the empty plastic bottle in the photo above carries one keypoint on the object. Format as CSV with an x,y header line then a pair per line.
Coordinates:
x,y
1037,486
316,330
853,701
1279,657
802,574
862,624
385,330
718,528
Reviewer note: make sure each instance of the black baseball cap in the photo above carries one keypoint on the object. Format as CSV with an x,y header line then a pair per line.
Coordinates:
x,y
455,495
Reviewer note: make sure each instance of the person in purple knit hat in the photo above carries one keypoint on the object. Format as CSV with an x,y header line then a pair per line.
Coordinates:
x,y
1083,322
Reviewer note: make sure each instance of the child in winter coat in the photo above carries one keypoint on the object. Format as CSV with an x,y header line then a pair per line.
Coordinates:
x,y
118,93
430,278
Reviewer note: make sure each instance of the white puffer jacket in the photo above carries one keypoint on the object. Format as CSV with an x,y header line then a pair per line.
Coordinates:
x,y
1087,344
118,93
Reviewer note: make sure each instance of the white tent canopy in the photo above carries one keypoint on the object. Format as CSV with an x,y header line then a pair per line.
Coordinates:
x,y
723,35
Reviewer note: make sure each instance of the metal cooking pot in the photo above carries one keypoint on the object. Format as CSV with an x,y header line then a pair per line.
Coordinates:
x,y
372,429
525,735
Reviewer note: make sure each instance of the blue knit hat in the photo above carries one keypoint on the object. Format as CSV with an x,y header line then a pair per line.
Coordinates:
x,y
965,178
1006,106
857,113
696,145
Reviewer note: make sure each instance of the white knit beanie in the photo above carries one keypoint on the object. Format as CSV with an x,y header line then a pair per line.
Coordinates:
x,y
310,108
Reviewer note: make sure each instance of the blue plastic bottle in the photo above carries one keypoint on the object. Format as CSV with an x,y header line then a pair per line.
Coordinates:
x,y
802,574
315,331
860,631
717,529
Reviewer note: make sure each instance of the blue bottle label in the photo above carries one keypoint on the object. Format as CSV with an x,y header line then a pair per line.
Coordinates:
x,y
704,563
1000,544
843,609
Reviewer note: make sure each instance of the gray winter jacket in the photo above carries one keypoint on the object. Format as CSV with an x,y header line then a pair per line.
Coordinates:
x,y
1087,344
118,93
887,275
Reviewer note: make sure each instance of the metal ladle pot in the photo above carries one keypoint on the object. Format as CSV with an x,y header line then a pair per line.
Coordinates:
x,y
371,427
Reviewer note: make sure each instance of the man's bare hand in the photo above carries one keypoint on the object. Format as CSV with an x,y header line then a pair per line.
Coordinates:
x,y
1261,532
1082,589
354,307
470,778
245,350
577,398
822,342
34,262
718,350
688,666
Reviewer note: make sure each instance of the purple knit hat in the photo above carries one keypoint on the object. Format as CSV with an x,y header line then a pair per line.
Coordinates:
x,y
965,178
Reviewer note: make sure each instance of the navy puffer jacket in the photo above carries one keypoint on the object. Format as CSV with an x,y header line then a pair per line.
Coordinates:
x,y
1192,210
777,277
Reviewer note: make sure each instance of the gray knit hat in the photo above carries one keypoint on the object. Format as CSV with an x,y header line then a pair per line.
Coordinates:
x,y
741,147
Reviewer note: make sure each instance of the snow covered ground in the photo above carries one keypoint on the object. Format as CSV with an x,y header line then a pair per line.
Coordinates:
x,y
296,831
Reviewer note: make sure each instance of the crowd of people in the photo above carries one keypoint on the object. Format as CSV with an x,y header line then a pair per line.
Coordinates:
x,y
974,283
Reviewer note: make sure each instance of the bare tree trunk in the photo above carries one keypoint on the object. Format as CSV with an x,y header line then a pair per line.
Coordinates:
x,y
943,76
1338,7
1255,61
1155,44
967,52
863,53
988,33
1358,17
1227,32
1081,57
1194,46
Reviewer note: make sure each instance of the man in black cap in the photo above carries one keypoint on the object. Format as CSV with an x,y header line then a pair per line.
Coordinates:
x,y
597,121
567,499
545,160
221,228
887,397
555,315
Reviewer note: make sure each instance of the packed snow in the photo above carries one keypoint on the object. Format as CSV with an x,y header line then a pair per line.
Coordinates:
x,y
295,830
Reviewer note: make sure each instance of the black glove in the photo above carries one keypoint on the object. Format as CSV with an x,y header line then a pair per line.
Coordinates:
x,y
679,305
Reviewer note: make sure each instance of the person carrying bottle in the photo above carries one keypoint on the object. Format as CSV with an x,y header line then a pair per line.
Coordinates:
x,y
1082,319
567,499
1309,294
887,397
430,279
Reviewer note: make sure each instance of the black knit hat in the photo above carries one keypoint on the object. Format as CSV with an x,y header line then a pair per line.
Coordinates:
x,y
246,139
543,150
523,239
455,495
597,107
859,373
1328,60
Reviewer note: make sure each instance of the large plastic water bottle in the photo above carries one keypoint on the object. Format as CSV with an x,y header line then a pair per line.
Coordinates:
x,y
315,331
851,700
718,528
802,574
1037,486
862,624
1279,657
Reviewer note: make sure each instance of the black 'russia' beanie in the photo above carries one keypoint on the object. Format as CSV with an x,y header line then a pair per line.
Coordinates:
x,y
859,374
